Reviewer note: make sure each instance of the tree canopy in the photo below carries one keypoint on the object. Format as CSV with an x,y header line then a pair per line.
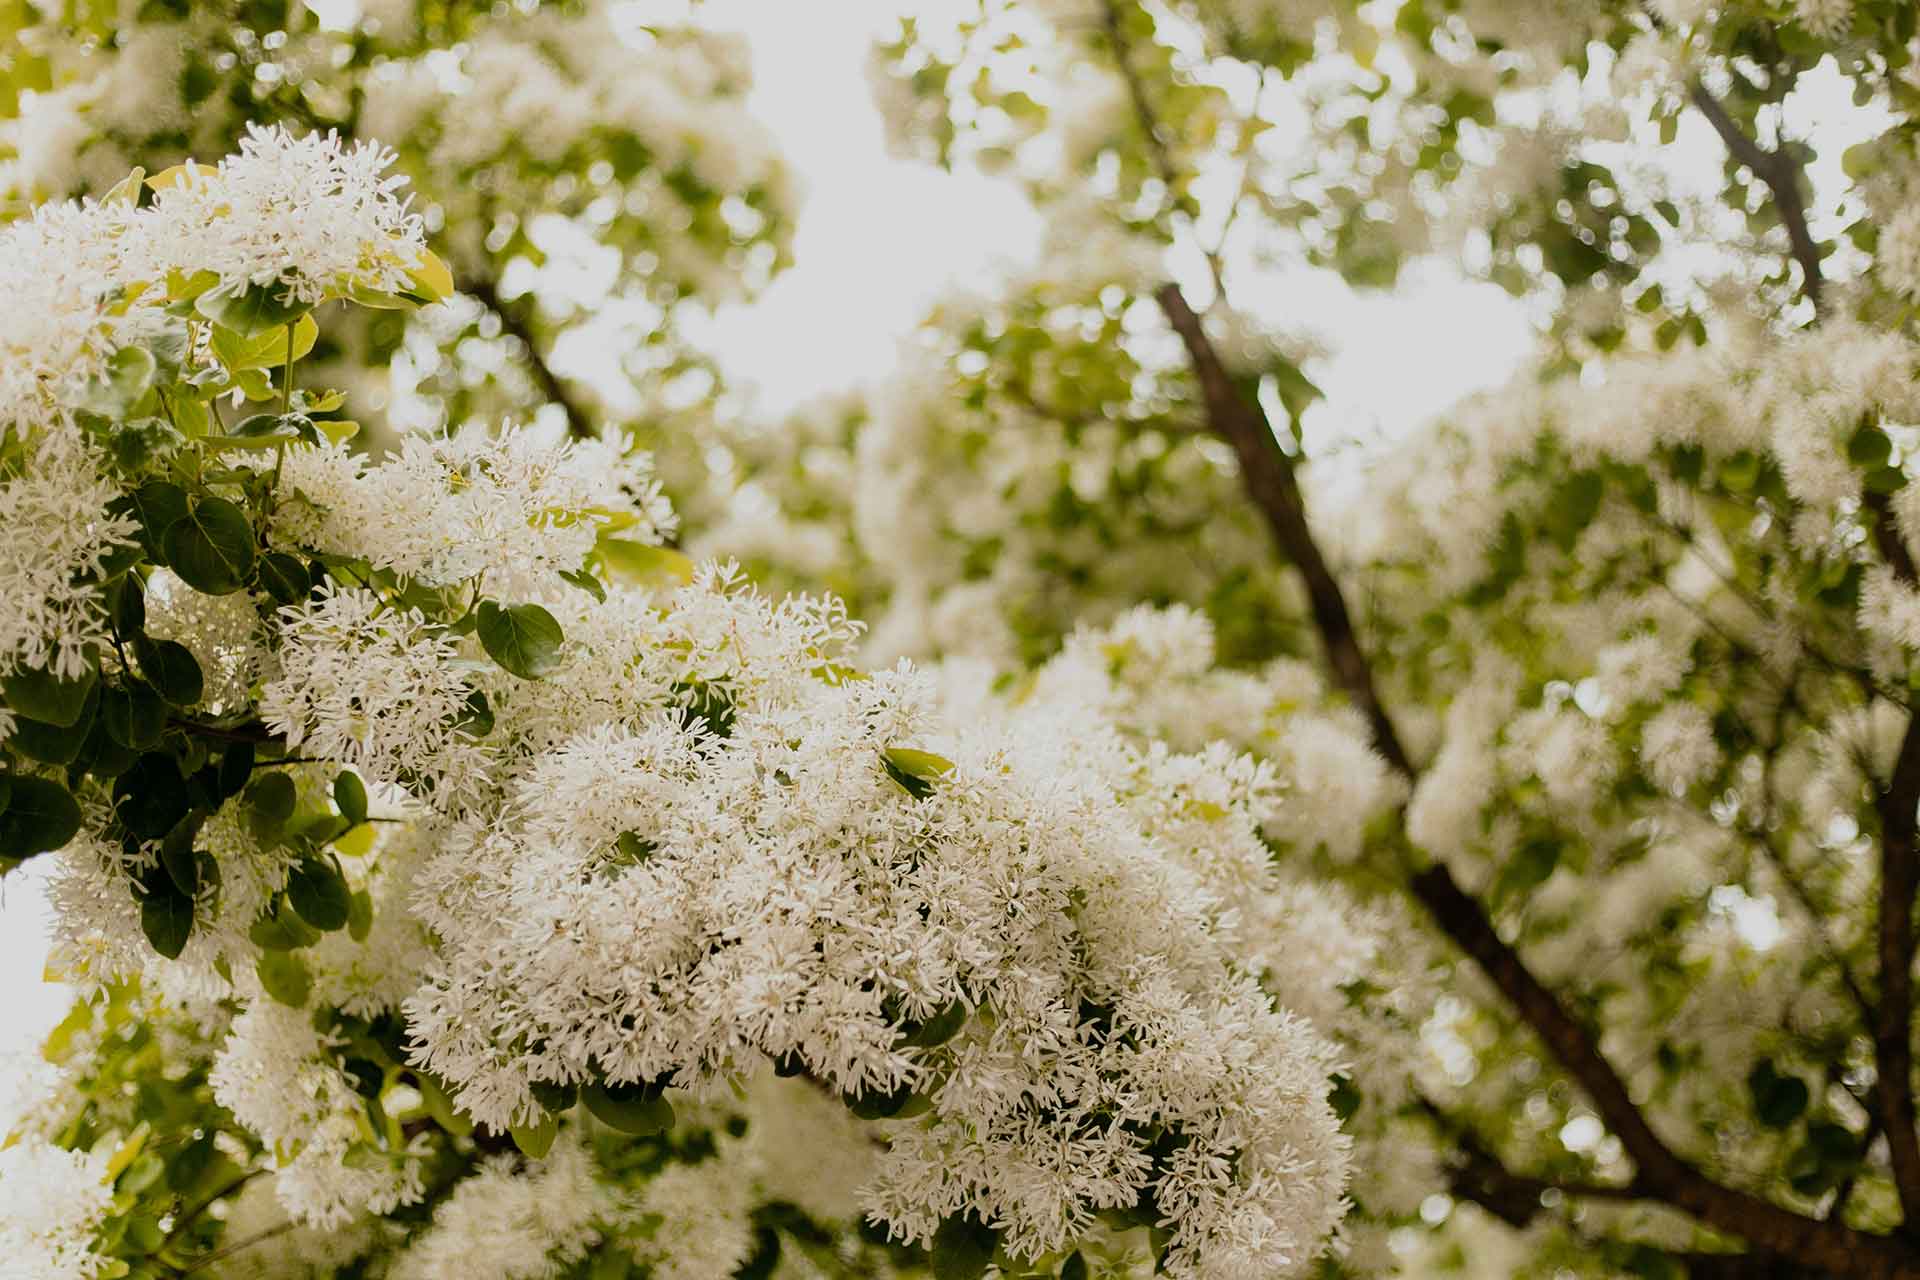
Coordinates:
x,y
486,841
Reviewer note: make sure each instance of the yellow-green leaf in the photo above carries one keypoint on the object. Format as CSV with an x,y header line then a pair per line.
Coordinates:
x,y
637,562
434,278
175,175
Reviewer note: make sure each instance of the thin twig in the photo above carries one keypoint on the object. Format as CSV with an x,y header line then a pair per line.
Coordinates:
x,y
201,1264
1781,174
514,321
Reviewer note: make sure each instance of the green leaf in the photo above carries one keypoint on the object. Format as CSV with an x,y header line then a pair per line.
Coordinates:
x,y
350,796
167,919
1074,1268
127,606
1778,1100
963,1247
1869,446
266,349
250,311
151,797
55,744
281,929
440,1105
171,669
360,915
39,816
212,548
631,849
915,771
119,387
157,504
432,280
630,1108
586,582
1528,867
284,577
1344,1098
319,893
177,856
273,796
476,718
556,1098
523,638
235,767
938,1029
536,1139
285,977
642,564
1885,480
42,696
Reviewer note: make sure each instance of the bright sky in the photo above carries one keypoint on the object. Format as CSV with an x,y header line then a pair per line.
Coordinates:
x,y
879,238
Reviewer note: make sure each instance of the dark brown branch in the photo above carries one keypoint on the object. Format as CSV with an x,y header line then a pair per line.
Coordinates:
x,y
1137,93
1893,1030
1896,804
1781,174
513,319
1270,482
1485,1179
1269,478
1660,1173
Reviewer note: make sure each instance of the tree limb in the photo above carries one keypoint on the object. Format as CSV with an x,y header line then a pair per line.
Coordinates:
x,y
1781,174
1897,805
1270,482
513,320
1137,93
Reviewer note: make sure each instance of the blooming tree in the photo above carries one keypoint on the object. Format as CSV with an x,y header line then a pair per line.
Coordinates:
x,y
443,852
1596,693
1498,857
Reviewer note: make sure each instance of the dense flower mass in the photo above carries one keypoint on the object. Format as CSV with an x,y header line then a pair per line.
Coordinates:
x,y
434,793
1251,839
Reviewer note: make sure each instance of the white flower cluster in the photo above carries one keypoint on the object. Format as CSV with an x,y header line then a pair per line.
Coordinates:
x,y
54,534
371,686
277,1077
299,215
513,1225
85,281
51,1203
505,506
558,84
705,879
1153,671
62,269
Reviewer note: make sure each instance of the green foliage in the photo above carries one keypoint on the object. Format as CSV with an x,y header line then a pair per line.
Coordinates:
x,y
963,1247
523,638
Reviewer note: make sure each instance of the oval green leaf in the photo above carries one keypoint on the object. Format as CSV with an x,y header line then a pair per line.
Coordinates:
x,y
40,816
523,638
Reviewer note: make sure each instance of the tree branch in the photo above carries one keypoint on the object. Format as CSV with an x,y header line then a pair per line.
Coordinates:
x,y
1781,174
1137,93
1268,475
513,320
1270,482
1897,805
1485,1179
